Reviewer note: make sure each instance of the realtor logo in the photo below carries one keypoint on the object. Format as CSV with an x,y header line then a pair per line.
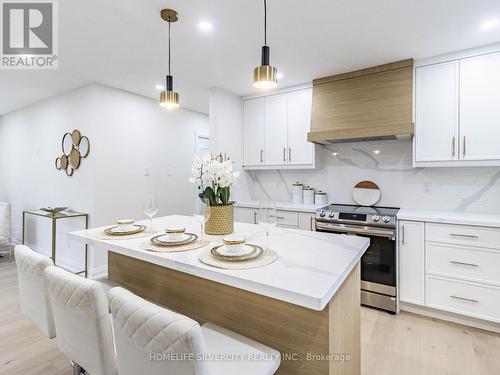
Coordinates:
x,y
29,34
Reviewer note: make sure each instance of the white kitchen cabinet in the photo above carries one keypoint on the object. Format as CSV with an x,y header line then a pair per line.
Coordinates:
x,y
436,114
411,261
300,151
480,107
276,129
245,215
306,221
254,131
456,110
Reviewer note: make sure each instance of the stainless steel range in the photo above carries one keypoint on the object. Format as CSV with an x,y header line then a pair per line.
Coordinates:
x,y
378,264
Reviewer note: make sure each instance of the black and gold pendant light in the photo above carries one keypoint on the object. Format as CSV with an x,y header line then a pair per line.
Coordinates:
x,y
168,97
265,76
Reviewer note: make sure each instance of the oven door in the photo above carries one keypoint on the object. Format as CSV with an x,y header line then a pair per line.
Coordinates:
x,y
378,264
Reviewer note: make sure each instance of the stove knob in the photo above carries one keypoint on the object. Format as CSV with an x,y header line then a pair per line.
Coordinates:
x,y
386,219
332,214
322,214
375,218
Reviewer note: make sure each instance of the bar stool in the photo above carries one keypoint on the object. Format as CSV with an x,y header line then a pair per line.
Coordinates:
x,y
81,318
32,294
156,341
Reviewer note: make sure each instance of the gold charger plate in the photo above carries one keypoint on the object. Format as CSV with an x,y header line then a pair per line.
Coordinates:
x,y
193,237
140,228
258,251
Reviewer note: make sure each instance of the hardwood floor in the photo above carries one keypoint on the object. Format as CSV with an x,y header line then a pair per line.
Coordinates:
x,y
405,344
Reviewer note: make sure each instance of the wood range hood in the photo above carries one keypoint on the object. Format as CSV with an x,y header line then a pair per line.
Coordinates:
x,y
371,104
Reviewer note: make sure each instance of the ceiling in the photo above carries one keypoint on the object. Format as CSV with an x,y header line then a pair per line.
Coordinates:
x,y
122,43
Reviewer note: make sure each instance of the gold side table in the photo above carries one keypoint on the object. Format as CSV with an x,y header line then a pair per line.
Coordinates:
x,y
60,215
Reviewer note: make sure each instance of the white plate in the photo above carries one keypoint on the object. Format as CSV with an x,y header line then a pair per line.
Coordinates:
x,y
124,229
228,251
166,239
366,193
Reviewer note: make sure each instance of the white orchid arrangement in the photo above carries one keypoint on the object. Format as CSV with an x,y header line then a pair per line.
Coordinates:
x,y
214,176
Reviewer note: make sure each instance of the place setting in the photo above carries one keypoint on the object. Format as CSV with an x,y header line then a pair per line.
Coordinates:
x,y
236,253
174,239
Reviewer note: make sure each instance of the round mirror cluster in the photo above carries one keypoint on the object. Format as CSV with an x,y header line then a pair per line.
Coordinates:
x,y
75,147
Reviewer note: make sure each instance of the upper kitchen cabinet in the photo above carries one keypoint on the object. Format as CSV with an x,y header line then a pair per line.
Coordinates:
x,y
254,131
436,124
480,107
457,112
275,131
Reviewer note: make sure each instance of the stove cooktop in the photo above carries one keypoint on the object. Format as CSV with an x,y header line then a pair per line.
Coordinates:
x,y
360,215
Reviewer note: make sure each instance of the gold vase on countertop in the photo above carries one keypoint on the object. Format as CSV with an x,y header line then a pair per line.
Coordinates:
x,y
220,219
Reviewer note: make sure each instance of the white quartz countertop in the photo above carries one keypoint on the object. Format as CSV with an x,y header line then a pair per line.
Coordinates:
x,y
288,206
311,266
463,218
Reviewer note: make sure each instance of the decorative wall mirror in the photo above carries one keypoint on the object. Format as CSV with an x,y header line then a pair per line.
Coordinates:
x,y
75,147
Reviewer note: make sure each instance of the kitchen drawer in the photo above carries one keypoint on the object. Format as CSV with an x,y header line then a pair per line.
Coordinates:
x,y
463,262
463,235
245,215
462,297
288,219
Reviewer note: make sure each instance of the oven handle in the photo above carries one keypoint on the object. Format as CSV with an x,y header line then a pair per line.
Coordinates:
x,y
343,228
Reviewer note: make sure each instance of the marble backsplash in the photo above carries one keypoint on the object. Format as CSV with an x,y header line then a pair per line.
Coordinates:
x,y
389,164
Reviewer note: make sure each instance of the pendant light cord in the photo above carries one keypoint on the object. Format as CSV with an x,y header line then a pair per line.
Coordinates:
x,y
265,22
169,47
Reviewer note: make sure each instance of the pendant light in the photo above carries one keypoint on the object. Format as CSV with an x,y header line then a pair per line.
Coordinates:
x,y
168,97
265,76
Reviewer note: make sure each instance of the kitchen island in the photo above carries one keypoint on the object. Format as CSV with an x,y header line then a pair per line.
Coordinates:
x,y
306,304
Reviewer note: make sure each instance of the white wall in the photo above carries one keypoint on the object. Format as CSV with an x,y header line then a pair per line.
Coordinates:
x,y
128,134
226,135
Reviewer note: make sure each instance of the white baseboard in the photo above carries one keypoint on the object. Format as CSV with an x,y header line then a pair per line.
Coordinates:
x,y
100,272
450,317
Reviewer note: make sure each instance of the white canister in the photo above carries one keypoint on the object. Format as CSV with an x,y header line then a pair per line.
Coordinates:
x,y
308,195
297,189
320,198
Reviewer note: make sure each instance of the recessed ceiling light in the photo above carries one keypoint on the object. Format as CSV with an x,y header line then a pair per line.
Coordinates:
x,y
490,24
335,153
279,75
160,87
376,152
205,26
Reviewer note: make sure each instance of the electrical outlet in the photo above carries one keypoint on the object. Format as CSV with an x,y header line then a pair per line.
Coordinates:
x,y
427,187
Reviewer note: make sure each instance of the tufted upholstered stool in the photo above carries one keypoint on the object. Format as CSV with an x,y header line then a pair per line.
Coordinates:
x,y
156,341
81,318
32,295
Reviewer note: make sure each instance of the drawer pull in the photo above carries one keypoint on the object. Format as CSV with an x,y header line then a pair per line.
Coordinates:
x,y
463,263
464,298
280,217
463,235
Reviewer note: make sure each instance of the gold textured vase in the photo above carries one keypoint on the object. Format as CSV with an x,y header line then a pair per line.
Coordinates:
x,y
220,220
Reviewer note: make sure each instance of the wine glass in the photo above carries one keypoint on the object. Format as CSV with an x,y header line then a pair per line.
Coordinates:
x,y
150,208
267,218
201,216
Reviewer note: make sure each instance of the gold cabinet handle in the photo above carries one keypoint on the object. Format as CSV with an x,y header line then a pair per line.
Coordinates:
x,y
463,263
464,298
453,147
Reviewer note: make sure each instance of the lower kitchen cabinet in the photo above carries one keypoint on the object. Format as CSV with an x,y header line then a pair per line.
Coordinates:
x,y
411,262
284,218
